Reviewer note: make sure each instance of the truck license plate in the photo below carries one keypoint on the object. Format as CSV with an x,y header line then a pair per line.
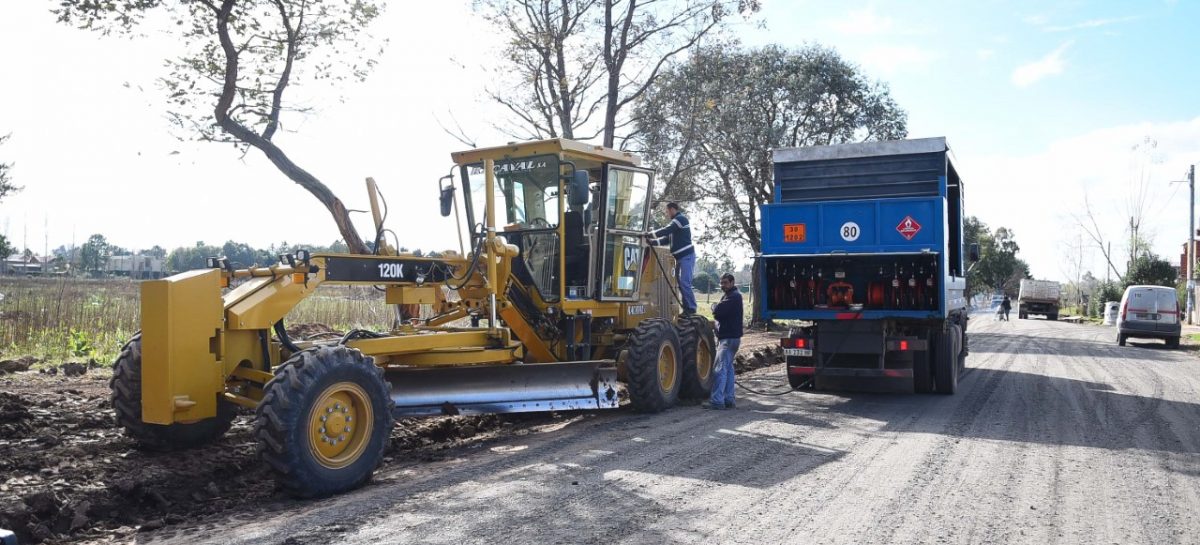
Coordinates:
x,y
804,352
1147,316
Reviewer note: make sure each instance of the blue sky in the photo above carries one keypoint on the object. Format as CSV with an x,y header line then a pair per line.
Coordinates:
x,y
1042,102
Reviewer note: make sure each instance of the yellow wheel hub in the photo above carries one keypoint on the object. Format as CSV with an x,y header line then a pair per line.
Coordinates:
x,y
667,369
340,425
704,359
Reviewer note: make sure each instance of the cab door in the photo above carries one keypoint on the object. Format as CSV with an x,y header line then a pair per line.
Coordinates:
x,y
627,195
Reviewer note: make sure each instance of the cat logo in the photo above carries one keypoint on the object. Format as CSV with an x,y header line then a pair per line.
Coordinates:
x,y
637,310
632,257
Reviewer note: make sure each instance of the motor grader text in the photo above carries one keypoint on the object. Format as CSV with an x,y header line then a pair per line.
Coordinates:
x,y
558,300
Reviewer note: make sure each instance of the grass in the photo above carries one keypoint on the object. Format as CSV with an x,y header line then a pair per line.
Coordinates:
x,y
75,319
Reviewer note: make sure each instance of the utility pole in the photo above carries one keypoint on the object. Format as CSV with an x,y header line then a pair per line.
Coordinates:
x,y
1190,251
1191,242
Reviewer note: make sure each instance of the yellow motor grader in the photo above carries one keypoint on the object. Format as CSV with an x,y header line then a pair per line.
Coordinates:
x,y
558,300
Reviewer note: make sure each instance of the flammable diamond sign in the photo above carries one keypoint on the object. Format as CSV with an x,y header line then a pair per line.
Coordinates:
x,y
908,227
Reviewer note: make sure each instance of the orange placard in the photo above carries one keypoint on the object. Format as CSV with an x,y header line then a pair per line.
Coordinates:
x,y
795,232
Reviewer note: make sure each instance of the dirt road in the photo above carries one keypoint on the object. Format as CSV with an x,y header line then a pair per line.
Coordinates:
x,y
1057,436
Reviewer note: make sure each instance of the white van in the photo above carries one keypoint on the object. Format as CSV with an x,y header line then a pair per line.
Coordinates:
x,y
1149,312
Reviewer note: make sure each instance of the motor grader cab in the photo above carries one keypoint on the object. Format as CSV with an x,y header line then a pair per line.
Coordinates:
x,y
558,300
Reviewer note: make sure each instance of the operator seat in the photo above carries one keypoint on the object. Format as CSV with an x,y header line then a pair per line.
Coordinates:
x,y
575,248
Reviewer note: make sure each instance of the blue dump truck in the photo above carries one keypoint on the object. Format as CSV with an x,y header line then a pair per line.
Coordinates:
x,y
863,243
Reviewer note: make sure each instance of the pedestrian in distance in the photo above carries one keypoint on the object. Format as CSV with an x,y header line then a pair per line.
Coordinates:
x,y
727,313
1006,305
678,234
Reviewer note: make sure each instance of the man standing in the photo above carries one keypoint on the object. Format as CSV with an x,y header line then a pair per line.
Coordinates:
x,y
728,314
679,234
1006,305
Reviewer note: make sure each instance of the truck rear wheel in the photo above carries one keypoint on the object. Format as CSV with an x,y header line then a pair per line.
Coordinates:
x,y
653,366
697,345
945,363
324,421
126,399
1052,317
922,378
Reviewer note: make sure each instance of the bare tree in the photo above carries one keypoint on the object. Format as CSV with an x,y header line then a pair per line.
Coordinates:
x,y
247,53
573,66
6,184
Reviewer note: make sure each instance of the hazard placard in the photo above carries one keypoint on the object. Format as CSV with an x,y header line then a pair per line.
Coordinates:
x,y
795,232
908,227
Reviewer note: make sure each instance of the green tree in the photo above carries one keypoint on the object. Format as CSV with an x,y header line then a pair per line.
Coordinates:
x,y
186,259
247,53
94,253
1150,270
704,282
709,124
999,268
156,251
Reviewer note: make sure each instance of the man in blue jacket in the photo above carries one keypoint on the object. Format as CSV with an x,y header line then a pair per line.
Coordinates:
x,y
728,314
678,234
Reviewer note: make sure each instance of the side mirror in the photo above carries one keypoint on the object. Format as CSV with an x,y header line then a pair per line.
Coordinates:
x,y
577,191
447,199
973,252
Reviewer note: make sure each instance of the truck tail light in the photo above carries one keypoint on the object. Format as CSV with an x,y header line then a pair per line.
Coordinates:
x,y
794,343
1124,309
903,346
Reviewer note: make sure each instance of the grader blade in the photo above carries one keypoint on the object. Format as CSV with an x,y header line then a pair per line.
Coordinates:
x,y
510,388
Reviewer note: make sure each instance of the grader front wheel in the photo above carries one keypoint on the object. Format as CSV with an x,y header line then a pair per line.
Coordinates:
x,y
654,366
126,399
324,421
698,347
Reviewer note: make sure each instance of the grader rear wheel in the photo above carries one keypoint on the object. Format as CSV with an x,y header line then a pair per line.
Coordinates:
x,y
126,399
324,421
653,366
698,347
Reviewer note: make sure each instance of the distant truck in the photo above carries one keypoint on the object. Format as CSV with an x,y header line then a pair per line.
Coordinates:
x,y
864,243
1038,297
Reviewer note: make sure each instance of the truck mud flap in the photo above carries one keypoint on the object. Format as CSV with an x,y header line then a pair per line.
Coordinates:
x,y
494,389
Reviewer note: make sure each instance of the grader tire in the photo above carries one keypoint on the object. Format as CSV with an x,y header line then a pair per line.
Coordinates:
x,y
654,366
324,421
126,399
697,344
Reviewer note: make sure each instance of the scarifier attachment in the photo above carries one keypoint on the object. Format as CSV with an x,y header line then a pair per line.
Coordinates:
x,y
513,388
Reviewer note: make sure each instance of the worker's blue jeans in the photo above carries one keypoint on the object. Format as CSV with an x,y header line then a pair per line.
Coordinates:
x,y
723,383
685,267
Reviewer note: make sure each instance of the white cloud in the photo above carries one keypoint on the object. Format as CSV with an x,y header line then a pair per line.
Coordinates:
x,y
862,22
1091,23
888,60
985,54
1037,194
1050,65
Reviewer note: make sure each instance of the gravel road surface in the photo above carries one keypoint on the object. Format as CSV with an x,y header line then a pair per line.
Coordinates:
x,y
1056,436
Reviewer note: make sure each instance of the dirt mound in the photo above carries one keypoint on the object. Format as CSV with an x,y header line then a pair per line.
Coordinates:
x,y
764,356
17,365
67,473
304,332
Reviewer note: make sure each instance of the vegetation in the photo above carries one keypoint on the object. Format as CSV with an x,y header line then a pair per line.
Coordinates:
x,y
709,125
999,269
6,187
74,319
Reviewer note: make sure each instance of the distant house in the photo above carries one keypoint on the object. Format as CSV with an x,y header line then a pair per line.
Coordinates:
x,y
20,264
135,266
